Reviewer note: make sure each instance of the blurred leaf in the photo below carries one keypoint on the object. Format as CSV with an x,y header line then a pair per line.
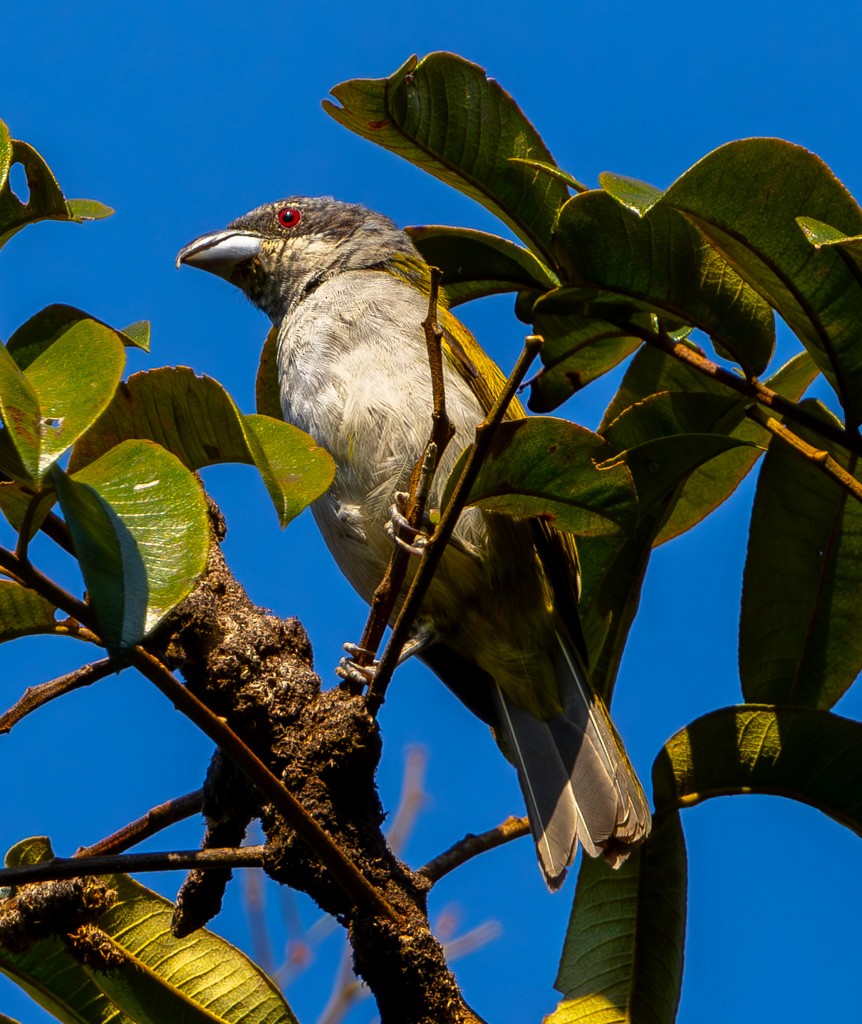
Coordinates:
x,y
41,331
200,979
476,264
545,467
660,264
745,197
635,195
267,392
195,418
800,629
88,209
800,753
577,349
623,955
23,612
138,519
443,114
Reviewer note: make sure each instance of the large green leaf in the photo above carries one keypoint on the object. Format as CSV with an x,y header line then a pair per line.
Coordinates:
x,y
45,201
200,979
623,956
23,612
746,197
660,264
804,754
476,264
653,371
546,467
64,382
139,523
800,630
443,114
195,418
41,331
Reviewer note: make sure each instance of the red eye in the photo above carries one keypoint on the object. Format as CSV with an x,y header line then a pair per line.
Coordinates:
x,y
289,217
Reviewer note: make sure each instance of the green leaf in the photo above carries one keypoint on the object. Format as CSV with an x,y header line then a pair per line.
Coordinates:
x,y
660,264
746,197
19,410
267,392
476,264
443,114
546,467
23,612
41,331
138,334
5,154
623,956
45,201
15,503
804,754
553,170
635,195
662,440
578,349
800,630
139,523
195,418
200,979
87,209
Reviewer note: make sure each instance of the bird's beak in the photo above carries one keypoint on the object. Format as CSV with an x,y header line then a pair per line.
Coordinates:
x,y
220,251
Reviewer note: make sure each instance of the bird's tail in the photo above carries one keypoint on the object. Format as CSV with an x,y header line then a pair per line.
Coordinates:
x,y
576,778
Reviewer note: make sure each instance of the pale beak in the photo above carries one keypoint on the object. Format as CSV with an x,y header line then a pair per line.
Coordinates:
x,y
220,251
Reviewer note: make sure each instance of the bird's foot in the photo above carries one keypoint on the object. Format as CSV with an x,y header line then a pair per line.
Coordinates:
x,y
400,532
352,672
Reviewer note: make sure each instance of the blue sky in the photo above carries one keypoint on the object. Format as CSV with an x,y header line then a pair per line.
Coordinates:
x,y
183,116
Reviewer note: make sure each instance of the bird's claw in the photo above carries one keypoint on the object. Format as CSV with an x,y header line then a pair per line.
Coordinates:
x,y
350,670
398,525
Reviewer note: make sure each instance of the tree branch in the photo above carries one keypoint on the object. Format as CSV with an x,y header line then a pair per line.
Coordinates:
x,y
35,697
155,820
472,845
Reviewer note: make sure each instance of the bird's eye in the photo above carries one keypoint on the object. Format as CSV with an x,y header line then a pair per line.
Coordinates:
x,y
289,216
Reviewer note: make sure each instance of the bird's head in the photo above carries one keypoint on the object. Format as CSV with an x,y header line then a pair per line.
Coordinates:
x,y
281,251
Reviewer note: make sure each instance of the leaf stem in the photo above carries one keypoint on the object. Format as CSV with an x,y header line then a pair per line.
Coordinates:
x,y
35,697
822,460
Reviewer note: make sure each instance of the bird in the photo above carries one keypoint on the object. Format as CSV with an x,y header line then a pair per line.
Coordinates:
x,y
347,291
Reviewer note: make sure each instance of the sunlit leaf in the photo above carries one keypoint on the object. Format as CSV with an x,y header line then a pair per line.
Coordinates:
x,y
443,114
804,754
195,418
139,524
5,154
43,329
88,209
476,264
746,197
267,392
623,956
660,264
19,410
23,612
635,195
800,631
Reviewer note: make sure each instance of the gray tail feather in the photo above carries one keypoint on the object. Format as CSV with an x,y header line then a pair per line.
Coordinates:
x,y
576,779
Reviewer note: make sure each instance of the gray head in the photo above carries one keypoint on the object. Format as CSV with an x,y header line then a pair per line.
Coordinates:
x,y
279,252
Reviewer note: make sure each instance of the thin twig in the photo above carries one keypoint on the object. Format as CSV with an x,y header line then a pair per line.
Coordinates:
x,y
436,543
413,799
472,845
155,820
345,872
52,525
125,863
35,580
818,458
753,388
35,697
386,595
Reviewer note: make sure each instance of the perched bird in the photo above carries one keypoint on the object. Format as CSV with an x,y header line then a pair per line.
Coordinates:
x,y
347,291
